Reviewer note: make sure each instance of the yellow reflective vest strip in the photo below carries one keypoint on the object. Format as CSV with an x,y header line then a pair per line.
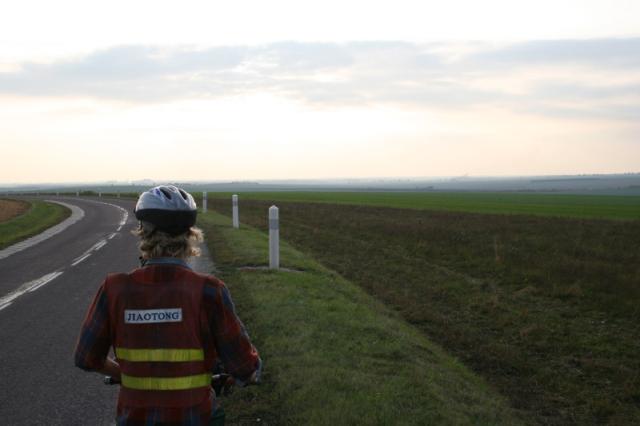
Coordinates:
x,y
160,355
166,383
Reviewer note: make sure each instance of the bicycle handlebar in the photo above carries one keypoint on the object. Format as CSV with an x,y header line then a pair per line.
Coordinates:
x,y
108,380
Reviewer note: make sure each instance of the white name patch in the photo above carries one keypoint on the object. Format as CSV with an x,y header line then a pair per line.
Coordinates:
x,y
152,316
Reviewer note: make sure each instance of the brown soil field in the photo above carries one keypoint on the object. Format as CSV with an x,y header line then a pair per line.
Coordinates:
x,y
12,208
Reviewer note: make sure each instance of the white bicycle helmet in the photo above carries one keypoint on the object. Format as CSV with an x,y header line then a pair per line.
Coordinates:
x,y
167,208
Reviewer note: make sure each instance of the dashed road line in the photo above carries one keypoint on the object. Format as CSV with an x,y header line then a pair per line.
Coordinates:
x,y
80,259
125,213
27,288
44,280
76,214
97,246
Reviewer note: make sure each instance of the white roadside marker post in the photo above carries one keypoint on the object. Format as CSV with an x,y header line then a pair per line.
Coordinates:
x,y
204,202
274,238
99,194
77,193
236,218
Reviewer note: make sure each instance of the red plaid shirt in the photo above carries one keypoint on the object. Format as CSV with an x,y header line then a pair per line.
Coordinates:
x,y
226,336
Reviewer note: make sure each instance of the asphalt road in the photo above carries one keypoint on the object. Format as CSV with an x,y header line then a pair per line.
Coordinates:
x,y
39,328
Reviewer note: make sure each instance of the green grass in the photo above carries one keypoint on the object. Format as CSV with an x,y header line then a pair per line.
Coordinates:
x,y
40,216
585,206
545,308
332,353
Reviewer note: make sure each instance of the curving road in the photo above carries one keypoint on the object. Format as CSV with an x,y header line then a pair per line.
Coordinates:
x,y
45,290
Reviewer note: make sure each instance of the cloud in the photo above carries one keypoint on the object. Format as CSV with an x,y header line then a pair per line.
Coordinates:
x,y
375,72
610,53
305,57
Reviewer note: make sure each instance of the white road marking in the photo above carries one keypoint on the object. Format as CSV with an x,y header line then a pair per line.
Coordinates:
x,y
100,245
125,213
97,246
76,214
27,288
80,259
44,280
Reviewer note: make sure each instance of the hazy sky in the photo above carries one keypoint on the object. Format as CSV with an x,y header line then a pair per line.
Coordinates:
x,y
238,90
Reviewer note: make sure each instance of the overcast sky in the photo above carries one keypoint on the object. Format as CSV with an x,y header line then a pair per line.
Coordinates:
x,y
291,89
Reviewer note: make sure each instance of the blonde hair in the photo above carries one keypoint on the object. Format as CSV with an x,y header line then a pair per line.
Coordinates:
x,y
156,243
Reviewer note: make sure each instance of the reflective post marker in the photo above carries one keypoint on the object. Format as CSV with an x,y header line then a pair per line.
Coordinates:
x,y
204,202
77,193
274,238
236,219
99,194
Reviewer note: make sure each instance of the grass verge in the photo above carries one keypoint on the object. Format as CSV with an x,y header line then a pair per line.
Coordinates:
x,y
40,216
333,354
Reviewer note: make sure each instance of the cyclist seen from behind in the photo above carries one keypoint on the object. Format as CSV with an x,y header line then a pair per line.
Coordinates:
x,y
168,325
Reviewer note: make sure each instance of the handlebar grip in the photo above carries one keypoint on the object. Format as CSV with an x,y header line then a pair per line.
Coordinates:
x,y
108,380
222,383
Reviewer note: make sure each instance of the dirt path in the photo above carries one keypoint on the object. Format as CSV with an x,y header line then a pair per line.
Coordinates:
x,y
12,208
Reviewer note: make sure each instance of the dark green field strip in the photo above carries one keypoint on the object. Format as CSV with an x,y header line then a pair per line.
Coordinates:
x,y
545,308
40,216
587,206
333,354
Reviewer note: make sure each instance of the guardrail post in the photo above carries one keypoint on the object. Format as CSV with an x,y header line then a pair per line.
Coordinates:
x,y
274,238
236,218
204,202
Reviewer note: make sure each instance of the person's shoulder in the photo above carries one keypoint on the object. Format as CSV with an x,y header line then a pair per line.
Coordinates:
x,y
212,281
213,288
116,277
209,280
114,281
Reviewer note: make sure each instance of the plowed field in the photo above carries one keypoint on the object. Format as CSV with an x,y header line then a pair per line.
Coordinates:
x,y
12,208
544,308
